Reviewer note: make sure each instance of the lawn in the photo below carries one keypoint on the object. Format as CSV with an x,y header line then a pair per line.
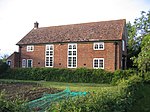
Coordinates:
x,y
88,87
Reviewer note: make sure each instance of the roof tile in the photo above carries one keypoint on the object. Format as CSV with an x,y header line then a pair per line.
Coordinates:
x,y
94,31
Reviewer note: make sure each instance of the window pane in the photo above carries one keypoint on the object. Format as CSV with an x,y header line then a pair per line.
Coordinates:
x,y
74,52
70,46
101,63
74,46
51,52
100,46
95,63
69,61
96,46
47,52
70,53
74,61
29,63
51,47
24,63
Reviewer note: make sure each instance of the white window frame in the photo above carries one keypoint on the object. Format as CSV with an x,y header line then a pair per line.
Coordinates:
x,y
31,63
98,63
98,43
49,55
72,55
30,48
24,63
123,45
9,62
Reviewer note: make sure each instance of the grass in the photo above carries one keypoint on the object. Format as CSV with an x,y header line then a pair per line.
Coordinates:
x,y
88,87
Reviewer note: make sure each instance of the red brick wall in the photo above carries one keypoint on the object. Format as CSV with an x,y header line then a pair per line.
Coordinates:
x,y
85,55
14,58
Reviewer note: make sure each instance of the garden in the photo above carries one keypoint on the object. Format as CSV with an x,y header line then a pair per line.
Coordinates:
x,y
106,91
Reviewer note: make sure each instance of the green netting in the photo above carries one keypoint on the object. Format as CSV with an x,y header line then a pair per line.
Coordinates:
x,y
42,103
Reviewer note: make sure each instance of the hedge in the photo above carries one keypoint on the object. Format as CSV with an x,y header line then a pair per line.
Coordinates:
x,y
80,75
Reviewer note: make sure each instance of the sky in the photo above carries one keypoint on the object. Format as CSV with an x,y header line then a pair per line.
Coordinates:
x,y
17,17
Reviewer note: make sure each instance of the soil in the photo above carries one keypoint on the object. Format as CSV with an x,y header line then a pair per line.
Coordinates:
x,y
25,91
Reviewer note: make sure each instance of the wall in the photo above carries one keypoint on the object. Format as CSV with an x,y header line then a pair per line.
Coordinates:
x,y
85,55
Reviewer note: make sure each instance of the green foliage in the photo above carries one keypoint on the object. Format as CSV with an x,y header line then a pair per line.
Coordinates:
x,y
11,106
136,32
103,101
143,60
122,75
81,75
147,77
3,67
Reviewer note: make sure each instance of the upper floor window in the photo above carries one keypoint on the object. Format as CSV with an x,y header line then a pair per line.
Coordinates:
x,y
98,46
72,55
123,45
98,63
30,48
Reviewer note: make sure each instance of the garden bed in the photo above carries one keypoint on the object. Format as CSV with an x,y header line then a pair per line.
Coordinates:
x,y
24,90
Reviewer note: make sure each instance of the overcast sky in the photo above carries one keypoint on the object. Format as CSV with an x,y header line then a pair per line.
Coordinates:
x,y
18,16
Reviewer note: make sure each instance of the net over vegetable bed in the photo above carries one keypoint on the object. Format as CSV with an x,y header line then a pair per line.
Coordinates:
x,y
42,103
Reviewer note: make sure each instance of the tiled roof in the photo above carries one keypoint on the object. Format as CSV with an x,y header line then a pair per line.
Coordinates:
x,y
94,31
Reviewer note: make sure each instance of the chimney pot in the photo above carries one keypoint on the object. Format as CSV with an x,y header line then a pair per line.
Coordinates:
x,y
36,25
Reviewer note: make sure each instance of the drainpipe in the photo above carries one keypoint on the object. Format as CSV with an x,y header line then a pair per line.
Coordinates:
x,y
20,56
115,56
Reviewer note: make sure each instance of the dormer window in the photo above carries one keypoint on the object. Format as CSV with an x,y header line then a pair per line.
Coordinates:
x,y
30,48
98,46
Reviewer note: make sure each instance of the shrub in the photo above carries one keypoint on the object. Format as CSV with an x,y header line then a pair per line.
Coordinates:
x,y
122,74
3,68
81,75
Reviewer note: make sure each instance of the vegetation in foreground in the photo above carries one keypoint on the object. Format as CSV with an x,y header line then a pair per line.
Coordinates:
x,y
104,97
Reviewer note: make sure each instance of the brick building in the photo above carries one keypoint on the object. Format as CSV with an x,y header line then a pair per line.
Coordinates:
x,y
91,45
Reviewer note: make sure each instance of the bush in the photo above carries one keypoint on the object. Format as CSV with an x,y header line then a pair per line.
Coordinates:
x,y
3,68
122,74
81,75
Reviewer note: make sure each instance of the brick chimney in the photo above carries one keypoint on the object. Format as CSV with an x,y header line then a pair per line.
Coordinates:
x,y
36,25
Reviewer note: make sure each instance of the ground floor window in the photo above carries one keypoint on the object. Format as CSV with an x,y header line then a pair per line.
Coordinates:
x,y
49,55
98,63
72,55
29,63
23,63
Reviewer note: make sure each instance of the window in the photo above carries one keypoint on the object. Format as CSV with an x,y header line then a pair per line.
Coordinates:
x,y
98,46
9,62
123,45
23,63
49,52
30,48
72,55
29,63
98,63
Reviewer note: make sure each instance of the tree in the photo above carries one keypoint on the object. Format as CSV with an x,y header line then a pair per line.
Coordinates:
x,y
143,60
136,32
